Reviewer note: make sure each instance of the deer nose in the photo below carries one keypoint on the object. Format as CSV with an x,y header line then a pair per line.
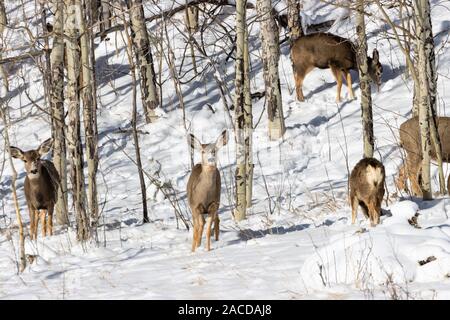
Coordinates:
x,y
34,171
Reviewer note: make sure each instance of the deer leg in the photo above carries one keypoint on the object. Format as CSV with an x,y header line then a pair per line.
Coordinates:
x,y
349,84
208,230
200,230
412,166
337,75
400,182
299,77
216,226
214,217
50,221
373,214
354,203
36,223
194,237
31,212
43,224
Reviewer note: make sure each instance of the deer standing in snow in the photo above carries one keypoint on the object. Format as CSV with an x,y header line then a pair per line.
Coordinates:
x,y
41,186
367,189
203,190
328,51
410,141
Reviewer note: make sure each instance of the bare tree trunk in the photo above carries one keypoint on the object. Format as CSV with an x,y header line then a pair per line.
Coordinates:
x,y
3,24
22,256
239,104
192,27
3,18
57,111
89,110
243,109
105,18
73,136
47,68
270,57
248,114
432,90
294,21
424,114
141,42
134,123
364,79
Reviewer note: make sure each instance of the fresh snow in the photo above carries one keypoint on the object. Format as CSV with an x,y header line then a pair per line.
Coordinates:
x,y
298,241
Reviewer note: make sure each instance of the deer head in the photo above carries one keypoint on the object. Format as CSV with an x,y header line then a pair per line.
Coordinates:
x,y
209,151
375,68
32,158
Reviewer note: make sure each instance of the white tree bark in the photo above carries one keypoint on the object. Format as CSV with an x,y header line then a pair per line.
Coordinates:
x,y
424,102
294,21
270,57
364,80
3,24
57,110
72,29
144,59
248,118
241,104
89,110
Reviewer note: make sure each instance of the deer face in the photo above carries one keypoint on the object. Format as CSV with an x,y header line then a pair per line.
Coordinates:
x,y
32,158
209,151
375,68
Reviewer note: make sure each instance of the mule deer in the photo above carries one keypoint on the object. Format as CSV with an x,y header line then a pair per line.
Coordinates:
x,y
367,189
410,142
203,190
328,51
41,186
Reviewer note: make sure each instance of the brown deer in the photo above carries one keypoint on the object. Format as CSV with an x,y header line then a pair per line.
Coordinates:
x,y
41,186
367,189
410,142
328,51
203,190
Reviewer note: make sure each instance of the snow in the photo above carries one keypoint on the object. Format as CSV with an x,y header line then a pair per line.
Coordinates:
x,y
298,241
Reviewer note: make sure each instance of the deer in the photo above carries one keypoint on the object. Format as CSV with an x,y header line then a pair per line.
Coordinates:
x,y
41,186
367,189
328,51
411,143
203,189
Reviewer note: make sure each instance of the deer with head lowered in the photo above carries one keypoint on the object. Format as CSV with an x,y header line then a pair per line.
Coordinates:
x,y
328,51
41,186
367,189
203,189
410,141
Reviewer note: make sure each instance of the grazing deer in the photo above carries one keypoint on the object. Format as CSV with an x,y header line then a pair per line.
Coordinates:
x,y
411,143
367,189
328,51
203,190
41,186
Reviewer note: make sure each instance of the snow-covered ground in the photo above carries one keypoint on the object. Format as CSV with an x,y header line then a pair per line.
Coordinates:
x,y
298,241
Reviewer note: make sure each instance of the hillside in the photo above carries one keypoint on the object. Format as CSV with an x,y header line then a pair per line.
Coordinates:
x,y
298,241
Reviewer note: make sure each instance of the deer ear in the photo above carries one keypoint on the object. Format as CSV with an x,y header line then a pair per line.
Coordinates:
x,y
375,55
222,140
45,146
16,153
193,142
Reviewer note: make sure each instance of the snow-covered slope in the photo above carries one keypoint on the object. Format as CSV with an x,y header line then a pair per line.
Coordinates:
x,y
298,241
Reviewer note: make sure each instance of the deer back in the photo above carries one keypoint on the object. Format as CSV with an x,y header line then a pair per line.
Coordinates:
x,y
322,50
